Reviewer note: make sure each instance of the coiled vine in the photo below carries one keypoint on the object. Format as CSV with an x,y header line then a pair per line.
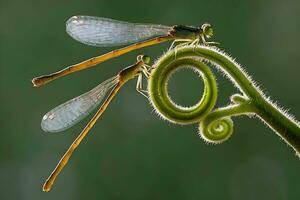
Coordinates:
x,y
215,124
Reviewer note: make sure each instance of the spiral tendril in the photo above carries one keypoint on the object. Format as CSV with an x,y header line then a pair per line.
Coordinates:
x,y
168,109
217,130
215,124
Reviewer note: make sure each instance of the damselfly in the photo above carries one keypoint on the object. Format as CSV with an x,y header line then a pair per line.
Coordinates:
x,y
103,32
71,112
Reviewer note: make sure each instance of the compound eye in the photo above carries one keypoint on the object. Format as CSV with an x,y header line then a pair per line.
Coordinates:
x,y
207,30
146,59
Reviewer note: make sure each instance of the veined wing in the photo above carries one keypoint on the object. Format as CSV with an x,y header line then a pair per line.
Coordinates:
x,y
104,32
71,112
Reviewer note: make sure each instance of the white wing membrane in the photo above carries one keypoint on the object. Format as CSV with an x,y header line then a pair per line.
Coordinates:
x,y
71,112
104,32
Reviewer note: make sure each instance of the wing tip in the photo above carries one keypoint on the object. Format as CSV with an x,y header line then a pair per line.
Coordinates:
x,y
76,19
74,28
46,125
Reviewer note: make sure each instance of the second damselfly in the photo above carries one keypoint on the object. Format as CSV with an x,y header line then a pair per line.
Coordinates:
x,y
71,112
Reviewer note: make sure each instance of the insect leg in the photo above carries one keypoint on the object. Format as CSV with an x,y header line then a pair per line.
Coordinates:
x,y
139,86
185,41
208,43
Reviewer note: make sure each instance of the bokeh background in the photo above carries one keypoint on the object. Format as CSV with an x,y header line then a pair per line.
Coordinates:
x,y
131,153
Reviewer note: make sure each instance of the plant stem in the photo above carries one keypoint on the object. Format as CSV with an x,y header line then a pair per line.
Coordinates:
x,y
252,100
280,123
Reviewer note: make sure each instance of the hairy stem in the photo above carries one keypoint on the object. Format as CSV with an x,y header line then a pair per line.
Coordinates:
x,y
216,125
280,122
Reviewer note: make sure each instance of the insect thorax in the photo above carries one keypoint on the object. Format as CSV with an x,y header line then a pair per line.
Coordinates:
x,y
185,32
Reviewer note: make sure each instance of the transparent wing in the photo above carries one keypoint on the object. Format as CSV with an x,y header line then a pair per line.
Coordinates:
x,y
71,112
103,32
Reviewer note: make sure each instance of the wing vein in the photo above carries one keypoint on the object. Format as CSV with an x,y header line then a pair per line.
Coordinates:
x,y
74,110
104,32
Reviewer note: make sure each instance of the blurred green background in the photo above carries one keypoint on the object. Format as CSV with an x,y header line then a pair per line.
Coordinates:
x,y
131,153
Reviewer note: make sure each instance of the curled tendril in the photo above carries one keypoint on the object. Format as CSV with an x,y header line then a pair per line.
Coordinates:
x,y
163,103
215,124
217,130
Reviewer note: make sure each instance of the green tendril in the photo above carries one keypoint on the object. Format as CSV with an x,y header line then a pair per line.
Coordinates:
x,y
215,125
163,103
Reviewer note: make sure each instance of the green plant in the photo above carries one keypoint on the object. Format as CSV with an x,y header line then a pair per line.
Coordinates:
x,y
215,125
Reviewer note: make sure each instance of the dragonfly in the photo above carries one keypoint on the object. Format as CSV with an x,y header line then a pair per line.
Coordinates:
x,y
105,32
68,114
